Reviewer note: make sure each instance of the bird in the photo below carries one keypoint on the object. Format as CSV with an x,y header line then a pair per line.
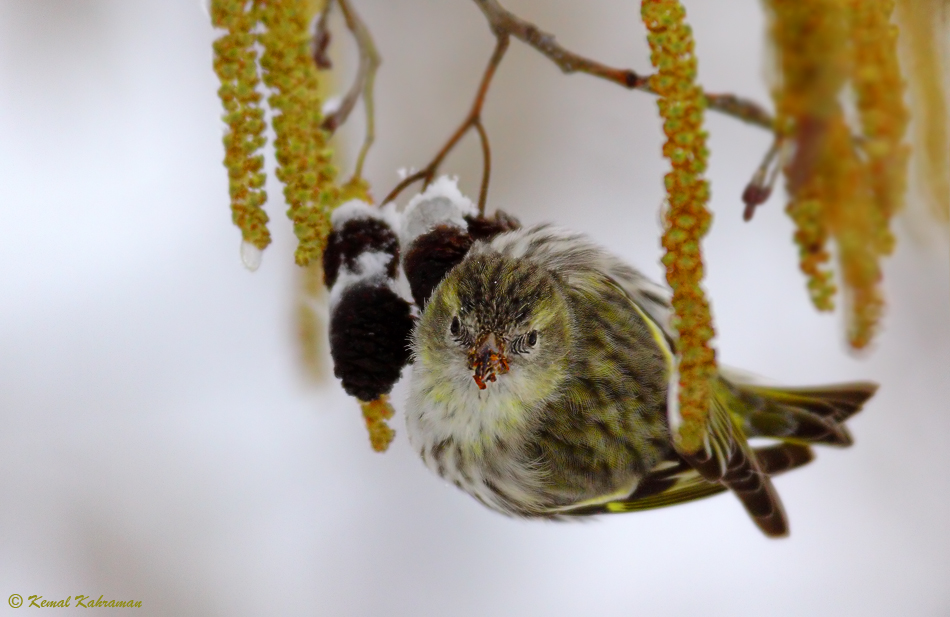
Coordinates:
x,y
543,385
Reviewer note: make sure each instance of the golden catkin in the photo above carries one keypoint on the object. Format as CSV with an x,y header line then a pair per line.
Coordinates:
x,y
809,39
811,236
303,157
375,413
879,92
312,324
854,219
810,44
840,187
235,62
925,42
681,105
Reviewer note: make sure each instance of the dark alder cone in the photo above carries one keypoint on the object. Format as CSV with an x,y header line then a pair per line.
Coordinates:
x,y
370,332
355,237
432,255
484,228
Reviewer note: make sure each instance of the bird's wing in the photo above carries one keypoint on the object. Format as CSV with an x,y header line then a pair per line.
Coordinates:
x,y
675,481
672,482
651,297
726,458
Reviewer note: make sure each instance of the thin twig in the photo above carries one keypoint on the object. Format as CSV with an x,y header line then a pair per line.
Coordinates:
x,y
741,109
473,119
760,186
486,167
503,21
362,85
321,39
505,25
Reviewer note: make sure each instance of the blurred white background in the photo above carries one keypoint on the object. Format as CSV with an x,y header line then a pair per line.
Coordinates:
x,y
159,440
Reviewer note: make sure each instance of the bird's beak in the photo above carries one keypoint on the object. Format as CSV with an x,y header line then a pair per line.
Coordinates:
x,y
487,358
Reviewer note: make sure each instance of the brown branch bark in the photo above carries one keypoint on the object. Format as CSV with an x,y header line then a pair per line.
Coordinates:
x,y
503,21
472,120
363,84
505,25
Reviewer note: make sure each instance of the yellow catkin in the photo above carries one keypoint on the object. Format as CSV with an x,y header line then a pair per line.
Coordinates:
x,y
879,93
311,315
811,236
235,62
303,157
810,44
312,324
681,105
809,39
836,191
375,413
853,217
925,41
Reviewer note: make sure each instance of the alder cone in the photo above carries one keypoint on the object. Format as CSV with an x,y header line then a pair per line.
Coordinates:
x,y
432,255
358,236
370,332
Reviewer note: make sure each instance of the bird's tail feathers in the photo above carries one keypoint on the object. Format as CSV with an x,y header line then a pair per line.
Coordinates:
x,y
782,457
734,465
798,415
795,417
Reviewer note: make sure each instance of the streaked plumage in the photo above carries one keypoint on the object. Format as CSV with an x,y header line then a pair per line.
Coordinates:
x,y
540,383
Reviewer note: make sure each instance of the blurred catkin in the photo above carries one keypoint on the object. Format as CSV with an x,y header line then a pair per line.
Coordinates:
x,y
235,62
809,40
925,44
879,93
681,105
312,324
841,186
303,156
851,213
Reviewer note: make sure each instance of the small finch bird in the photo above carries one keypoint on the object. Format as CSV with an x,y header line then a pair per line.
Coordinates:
x,y
542,367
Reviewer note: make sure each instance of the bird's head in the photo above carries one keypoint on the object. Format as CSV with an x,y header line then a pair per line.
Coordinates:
x,y
498,324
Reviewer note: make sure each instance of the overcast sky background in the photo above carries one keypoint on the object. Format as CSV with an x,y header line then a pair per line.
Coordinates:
x,y
160,440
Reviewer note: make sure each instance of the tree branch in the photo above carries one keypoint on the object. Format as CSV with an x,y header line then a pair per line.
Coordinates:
x,y
740,109
472,120
362,85
503,22
505,25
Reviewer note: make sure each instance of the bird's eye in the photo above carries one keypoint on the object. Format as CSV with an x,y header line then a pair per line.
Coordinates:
x,y
456,326
525,342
